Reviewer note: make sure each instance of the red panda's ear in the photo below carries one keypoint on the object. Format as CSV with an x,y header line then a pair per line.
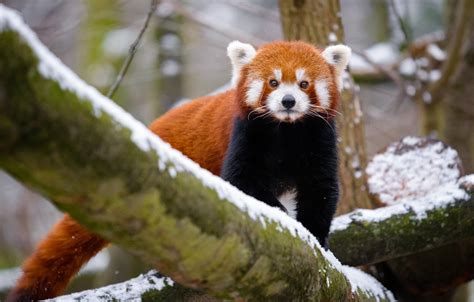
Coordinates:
x,y
338,56
239,54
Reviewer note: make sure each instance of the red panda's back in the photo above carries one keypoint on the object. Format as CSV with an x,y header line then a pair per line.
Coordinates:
x,y
200,129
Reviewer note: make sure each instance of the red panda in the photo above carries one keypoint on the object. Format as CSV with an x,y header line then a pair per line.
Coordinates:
x,y
272,135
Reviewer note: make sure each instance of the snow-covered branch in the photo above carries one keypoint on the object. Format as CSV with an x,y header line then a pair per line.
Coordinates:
x,y
150,285
372,236
95,161
427,204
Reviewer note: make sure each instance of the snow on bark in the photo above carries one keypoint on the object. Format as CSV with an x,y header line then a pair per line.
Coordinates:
x,y
382,53
414,175
172,161
419,181
412,169
131,290
417,208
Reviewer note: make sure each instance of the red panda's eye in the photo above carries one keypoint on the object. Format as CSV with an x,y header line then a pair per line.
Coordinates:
x,y
304,84
273,83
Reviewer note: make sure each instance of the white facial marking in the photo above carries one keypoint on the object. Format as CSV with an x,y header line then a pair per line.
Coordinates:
x,y
277,73
338,56
276,107
239,54
323,93
288,200
300,74
254,91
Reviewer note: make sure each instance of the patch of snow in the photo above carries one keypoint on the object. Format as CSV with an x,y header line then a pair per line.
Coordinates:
x,y
436,52
360,280
332,37
399,175
52,68
418,208
467,182
468,179
411,140
412,179
130,290
407,67
435,75
381,53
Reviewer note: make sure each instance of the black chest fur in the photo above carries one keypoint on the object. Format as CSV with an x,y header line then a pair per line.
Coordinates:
x,y
266,158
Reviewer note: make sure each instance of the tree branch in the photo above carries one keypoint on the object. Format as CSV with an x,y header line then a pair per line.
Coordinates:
x,y
147,287
133,49
372,236
93,160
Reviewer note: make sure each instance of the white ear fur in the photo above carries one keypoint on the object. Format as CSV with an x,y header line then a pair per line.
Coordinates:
x,y
338,56
239,54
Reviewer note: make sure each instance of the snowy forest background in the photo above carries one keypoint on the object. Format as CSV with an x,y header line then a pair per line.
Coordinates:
x,y
399,48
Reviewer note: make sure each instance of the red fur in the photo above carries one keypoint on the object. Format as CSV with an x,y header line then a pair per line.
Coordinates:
x,y
56,260
201,130
287,56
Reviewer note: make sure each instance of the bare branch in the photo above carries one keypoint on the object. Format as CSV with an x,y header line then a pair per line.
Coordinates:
x,y
133,49
403,26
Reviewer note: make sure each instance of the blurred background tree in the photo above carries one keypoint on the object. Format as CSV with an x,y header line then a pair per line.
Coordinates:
x,y
410,78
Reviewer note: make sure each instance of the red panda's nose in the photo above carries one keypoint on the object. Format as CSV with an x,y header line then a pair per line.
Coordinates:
x,y
288,101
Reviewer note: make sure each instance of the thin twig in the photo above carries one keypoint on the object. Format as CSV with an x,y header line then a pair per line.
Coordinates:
x,y
403,26
394,76
133,49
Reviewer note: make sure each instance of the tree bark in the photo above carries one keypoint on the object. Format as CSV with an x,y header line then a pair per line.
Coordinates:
x,y
319,22
449,117
62,138
451,114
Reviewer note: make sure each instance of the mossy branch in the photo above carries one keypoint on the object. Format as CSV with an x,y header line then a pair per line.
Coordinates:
x,y
373,236
65,140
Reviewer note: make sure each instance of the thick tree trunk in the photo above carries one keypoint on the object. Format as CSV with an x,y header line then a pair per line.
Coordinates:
x,y
319,22
93,160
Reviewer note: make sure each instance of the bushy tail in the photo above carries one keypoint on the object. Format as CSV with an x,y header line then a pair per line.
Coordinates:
x,y
56,260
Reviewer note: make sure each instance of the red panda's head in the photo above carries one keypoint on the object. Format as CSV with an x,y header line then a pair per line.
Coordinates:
x,y
288,80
